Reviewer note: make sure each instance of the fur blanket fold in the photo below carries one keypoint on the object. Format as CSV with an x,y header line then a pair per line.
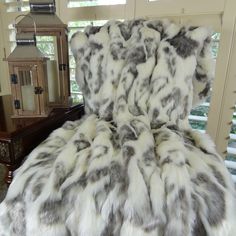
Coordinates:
x,y
132,166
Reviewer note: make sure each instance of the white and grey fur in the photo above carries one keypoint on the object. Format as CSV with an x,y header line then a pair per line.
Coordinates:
x,y
132,166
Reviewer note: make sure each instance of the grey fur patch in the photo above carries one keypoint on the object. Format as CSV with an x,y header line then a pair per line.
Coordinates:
x,y
166,160
155,114
186,108
128,151
149,156
136,110
169,188
126,134
94,29
133,70
215,200
171,62
218,176
37,189
157,26
60,174
94,175
81,144
207,41
99,81
95,46
149,46
108,230
102,149
200,77
125,31
50,212
174,96
188,139
115,141
118,51
17,218
137,55
205,92
198,227
116,172
43,163
43,155
184,46
164,137
157,125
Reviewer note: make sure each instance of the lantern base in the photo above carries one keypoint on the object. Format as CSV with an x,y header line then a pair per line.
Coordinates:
x,y
28,116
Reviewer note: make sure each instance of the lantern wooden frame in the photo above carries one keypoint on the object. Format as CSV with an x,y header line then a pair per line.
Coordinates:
x,y
51,25
39,82
38,68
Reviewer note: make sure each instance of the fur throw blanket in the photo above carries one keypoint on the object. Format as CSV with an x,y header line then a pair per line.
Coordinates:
x,y
132,166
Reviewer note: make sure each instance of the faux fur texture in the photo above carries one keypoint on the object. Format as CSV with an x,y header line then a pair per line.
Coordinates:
x,y
132,166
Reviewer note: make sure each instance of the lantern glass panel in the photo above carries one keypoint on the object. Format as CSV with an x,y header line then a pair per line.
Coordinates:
x,y
27,90
48,46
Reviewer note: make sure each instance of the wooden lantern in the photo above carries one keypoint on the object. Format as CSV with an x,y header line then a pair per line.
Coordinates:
x,y
28,75
48,24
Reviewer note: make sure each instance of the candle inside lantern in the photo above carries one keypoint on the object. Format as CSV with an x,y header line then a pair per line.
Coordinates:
x,y
27,90
28,97
53,88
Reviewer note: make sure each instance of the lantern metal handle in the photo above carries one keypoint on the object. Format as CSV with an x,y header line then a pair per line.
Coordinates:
x,y
26,16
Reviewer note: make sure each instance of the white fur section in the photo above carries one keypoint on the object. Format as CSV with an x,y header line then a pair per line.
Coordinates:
x,y
90,223
51,146
137,196
78,41
4,220
113,68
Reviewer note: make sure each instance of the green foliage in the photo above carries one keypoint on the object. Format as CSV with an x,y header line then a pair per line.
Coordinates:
x,y
200,125
77,98
74,86
46,45
200,111
72,62
233,129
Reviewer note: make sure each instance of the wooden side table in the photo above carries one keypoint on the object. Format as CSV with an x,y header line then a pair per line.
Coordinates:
x,y
18,137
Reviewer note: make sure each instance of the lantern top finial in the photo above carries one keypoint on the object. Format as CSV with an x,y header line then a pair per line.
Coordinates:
x,y
43,13
42,6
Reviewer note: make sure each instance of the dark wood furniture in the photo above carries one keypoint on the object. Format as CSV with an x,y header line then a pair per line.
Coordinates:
x,y
19,136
